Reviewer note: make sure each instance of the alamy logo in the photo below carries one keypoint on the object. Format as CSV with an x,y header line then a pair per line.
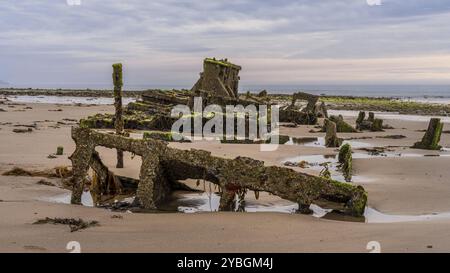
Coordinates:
x,y
250,123
73,247
374,247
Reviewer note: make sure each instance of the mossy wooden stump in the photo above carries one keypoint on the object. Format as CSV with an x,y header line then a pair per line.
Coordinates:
x,y
360,119
59,150
377,125
370,124
118,122
345,160
432,137
306,116
331,139
341,125
162,167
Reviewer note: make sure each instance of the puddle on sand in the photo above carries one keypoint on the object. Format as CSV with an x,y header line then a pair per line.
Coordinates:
x,y
316,162
188,202
196,202
390,116
374,216
320,142
86,199
206,202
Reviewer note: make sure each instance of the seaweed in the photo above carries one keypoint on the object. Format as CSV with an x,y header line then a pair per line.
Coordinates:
x,y
57,172
74,224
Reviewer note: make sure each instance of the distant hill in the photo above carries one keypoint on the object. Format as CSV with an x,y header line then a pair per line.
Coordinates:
x,y
3,83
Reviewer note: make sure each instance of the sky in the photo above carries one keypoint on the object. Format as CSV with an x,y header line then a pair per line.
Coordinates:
x,y
162,43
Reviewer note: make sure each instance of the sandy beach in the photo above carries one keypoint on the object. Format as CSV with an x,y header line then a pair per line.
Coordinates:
x,y
222,133
403,187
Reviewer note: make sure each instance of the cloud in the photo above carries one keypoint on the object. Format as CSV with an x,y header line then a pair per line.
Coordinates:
x,y
164,42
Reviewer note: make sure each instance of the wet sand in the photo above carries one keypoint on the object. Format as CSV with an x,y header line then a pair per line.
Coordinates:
x,y
396,185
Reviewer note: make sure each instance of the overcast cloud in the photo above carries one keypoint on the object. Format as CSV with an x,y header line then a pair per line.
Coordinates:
x,y
163,42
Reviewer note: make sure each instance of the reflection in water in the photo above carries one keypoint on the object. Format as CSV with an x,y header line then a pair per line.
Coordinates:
x,y
302,140
389,115
86,199
316,162
189,202
319,142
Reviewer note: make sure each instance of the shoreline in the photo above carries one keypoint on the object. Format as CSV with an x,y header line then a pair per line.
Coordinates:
x,y
106,92
95,93
407,106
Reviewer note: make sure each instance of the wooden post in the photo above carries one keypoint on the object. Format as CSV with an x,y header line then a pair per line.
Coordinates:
x,y
118,124
430,140
360,119
331,139
345,161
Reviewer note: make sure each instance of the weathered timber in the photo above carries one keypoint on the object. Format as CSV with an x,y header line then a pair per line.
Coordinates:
x,y
218,84
371,117
308,115
311,99
360,119
163,166
432,137
166,136
331,138
60,150
370,124
321,110
219,77
377,125
297,116
118,123
341,125
345,160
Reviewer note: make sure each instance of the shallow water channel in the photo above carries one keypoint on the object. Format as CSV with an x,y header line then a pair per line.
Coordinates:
x,y
207,202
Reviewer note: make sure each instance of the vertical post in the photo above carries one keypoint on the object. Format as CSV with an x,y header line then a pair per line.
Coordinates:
x,y
432,137
118,124
331,138
81,159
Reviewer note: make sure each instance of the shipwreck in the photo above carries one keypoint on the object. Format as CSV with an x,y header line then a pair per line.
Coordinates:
x,y
163,167
218,84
